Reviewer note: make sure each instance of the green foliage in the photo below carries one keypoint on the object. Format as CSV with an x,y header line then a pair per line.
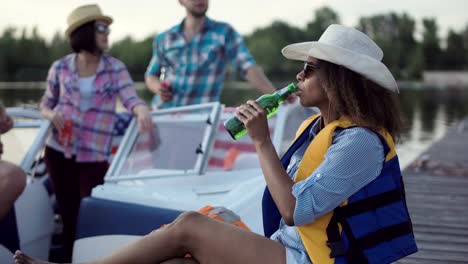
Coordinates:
x,y
415,63
26,56
324,17
454,56
395,35
465,46
58,47
430,45
135,54
265,44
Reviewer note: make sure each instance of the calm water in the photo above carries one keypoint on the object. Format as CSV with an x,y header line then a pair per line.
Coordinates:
x,y
428,112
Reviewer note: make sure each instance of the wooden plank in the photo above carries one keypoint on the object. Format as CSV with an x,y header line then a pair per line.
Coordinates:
x,y
417,179
443,238
451,220
430,190
410,260
437,229
440,255
438,205
448,247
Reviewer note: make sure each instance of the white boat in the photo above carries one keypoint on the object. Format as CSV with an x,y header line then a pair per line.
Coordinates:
x,y
30,224
189,162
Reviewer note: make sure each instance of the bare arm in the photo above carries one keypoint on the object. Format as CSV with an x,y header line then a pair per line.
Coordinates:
x,y
153,83
257,78
278,181
51,97
143,115
55,118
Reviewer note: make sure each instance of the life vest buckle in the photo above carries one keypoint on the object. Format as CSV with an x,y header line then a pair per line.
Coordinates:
x,y
337,248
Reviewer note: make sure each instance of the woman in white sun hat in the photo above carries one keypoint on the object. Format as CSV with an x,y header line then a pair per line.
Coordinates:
x,y
336,196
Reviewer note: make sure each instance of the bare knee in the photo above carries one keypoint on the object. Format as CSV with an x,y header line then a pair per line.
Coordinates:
x,y
184,227
185,221
12,179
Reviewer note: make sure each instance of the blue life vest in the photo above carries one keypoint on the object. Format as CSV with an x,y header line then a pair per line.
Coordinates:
x,y
371,226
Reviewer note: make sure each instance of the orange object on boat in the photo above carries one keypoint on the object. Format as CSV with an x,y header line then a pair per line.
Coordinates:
x,y
230,158
221,214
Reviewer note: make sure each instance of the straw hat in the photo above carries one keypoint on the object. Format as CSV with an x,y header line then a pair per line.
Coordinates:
x,y
84,14
348,47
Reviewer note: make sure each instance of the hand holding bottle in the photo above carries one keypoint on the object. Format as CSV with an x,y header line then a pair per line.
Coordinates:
x,y
254,118
165,91
268,102
65,134
56,119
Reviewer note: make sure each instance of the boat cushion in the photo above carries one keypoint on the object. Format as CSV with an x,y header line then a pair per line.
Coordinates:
x,y
99,217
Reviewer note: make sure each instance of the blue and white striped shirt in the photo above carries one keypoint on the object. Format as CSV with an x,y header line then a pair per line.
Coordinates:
x,y
196,69
354,159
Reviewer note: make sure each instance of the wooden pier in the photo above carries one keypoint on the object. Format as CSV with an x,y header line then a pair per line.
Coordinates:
x,y
437,195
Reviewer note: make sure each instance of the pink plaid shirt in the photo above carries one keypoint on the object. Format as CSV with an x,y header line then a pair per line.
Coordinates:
x,y
92,130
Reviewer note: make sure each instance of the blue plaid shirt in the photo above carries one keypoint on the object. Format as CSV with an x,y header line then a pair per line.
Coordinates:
x,y
196,69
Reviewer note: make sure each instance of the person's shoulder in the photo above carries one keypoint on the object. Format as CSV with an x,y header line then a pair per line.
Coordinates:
x,y
167,32
63,61
113,61
219,25
358,135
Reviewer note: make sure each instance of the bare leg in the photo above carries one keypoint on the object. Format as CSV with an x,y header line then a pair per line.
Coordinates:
x,y
21,258
207,240
12,183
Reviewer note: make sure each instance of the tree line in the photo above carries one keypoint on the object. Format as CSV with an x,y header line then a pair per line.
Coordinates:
x,y
27,56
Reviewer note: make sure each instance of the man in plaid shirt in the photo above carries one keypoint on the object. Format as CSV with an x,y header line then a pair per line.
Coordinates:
x,y
193,56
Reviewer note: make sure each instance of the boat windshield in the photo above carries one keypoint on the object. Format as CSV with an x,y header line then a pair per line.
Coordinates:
x,y
177,145
18,141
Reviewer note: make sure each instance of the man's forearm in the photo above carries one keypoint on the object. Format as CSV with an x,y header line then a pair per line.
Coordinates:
x,y
152,82
257,78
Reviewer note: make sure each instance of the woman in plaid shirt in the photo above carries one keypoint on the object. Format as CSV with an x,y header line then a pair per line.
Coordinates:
x,y
82,90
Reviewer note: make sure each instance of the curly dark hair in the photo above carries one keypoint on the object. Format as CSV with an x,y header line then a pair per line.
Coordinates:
x,y
365,102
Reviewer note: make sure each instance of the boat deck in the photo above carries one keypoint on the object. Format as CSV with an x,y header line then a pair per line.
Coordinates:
x,y
437,195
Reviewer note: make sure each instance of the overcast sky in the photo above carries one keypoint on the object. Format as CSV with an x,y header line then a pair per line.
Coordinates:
x,y
140,18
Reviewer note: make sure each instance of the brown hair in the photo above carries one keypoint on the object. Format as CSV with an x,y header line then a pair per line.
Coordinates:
x,y
84,38
366,103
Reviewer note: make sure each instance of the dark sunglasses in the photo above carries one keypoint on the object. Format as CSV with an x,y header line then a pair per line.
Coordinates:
x,y
102,28
309,67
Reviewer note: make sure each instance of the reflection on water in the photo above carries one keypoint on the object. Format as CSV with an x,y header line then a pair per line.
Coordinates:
x,y
428,112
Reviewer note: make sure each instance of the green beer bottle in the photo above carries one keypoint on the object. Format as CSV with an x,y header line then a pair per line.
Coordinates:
x,y
269,102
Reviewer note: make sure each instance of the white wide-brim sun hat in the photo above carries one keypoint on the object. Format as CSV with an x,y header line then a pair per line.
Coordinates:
x,y
350,48
84,14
